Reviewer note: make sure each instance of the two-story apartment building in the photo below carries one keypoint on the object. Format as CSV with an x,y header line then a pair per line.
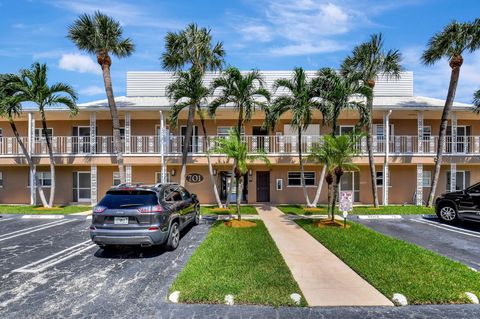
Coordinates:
x,y
85,165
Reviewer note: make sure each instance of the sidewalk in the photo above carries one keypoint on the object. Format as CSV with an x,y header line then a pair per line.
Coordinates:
x,y
323,278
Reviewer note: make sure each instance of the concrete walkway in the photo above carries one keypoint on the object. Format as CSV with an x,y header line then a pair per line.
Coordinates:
x,y
324,279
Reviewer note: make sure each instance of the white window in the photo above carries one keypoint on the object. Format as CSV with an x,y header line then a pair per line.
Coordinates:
x,y
427,178
427,132
44,178
1,179
379,132
462,180
158,177
225,130
279,184
39,132
380,179
116,178
294,178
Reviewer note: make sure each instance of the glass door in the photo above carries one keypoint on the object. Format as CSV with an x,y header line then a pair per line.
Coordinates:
x,y
83,187
350,182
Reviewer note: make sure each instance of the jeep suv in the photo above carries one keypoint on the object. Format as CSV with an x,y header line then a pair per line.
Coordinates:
x,y
143,215
460,205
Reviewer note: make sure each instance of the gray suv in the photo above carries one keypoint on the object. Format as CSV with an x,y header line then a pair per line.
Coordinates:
x,y
143,215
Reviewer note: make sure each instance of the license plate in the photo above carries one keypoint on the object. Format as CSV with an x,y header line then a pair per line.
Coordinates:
x,y
120,220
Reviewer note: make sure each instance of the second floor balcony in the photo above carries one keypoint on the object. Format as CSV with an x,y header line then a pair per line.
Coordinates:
x,y
273,145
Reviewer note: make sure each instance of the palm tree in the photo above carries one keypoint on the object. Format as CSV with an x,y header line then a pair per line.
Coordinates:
x,y
234,148
301,100
187,90
191,47
32,86
244,92
324,154
102,35
450,43
11,107
340,92
370,60
344,150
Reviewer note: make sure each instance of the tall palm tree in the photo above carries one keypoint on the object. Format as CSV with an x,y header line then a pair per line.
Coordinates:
x,y
234,148
340,92
344,151
246,93
191,48
32,86
102,35
450,43
370,60
11,107
301,101
187,90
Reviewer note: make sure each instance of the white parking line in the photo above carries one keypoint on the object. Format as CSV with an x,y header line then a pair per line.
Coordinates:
x,y
5,219
449,228
55,259
34,229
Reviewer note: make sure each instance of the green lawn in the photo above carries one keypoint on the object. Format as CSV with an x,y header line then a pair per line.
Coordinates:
x,y
365,210
244,262
244,209
394,266
38,210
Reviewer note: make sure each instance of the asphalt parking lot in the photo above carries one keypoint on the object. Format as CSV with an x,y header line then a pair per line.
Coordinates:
x,y
459,242
49,268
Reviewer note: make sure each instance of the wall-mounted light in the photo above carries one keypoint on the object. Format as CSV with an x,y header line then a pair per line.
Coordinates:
x,y
214,172
250,172
172,172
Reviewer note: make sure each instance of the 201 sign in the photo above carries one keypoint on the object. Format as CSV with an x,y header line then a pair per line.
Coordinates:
x,y
194,178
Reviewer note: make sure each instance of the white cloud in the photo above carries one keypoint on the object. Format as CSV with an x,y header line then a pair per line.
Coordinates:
x,y
433,80
92,90
78,63
256,32
322,46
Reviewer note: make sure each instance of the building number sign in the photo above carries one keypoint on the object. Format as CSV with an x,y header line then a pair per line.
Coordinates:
x,y
194,178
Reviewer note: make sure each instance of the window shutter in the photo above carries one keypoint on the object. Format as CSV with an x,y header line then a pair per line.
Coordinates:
x,y
75,186
467,179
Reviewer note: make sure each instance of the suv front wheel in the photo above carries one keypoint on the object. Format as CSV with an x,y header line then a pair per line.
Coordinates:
x,y
447,213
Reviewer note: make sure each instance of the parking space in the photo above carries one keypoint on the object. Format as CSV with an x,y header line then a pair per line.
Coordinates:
x,y
459,242
49,268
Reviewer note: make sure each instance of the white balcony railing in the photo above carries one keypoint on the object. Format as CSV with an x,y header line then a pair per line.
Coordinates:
x,y
403,145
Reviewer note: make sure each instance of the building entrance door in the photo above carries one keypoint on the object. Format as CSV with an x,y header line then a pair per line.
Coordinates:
x,y
263,187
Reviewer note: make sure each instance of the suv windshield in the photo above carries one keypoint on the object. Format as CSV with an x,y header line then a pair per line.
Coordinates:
x,y
131,198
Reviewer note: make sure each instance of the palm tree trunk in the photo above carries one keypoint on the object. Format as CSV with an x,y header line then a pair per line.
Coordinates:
x,y
302,171
230,187
238,196
454,76
329,198
371,161
319,188
50,155
210,169
335,195
186,143
29,161
117,138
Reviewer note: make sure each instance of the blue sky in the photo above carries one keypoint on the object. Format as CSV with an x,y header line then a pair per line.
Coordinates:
x,y
262,34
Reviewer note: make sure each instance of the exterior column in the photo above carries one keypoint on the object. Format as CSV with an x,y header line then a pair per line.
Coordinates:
x,y
93,185
454,133
386,130
419,197
93,133
163,172
128,173
453,177
127,132
420,131
31,143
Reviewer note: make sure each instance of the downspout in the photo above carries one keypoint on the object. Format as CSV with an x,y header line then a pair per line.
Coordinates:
x,y
163,172
385,162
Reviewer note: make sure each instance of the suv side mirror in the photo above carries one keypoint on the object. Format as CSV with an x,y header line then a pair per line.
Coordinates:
x,y
194,196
